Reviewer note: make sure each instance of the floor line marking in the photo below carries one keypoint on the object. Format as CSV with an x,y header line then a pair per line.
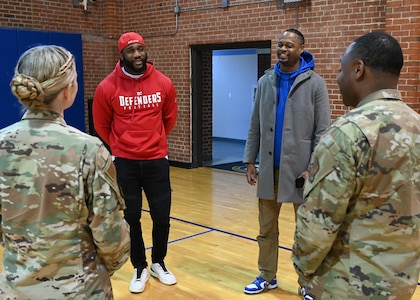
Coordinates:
x,y
215,229
185,238
211,229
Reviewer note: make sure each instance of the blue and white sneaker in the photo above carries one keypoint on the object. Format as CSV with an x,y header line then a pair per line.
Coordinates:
x,y
306,296
260,285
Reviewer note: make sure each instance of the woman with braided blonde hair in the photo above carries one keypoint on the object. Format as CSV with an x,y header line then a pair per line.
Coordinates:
x,y
48,76
61,226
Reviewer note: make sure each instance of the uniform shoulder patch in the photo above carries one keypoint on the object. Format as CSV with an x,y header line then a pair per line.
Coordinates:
x,y
103,159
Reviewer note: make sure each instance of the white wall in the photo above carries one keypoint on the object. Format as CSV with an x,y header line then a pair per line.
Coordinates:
x,y
235,75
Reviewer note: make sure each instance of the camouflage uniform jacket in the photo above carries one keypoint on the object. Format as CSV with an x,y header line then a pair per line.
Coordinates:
x,y
357,234
61,226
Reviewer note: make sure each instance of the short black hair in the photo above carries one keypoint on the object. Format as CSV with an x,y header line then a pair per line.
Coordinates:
x,y
298,33
379,51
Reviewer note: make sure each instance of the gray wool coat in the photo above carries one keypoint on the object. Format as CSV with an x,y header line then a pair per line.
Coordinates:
x,y
307,116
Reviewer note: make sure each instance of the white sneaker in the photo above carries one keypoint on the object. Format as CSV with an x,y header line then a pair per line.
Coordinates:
x,y
160,271
138,283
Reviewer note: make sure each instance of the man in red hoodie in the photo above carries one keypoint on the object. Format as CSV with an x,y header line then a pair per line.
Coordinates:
x,y
134,109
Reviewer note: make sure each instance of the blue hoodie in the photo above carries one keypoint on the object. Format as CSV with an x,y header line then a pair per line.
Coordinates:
x,y
284,83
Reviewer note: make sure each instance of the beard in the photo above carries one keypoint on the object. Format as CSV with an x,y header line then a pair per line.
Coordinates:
x,y
130,68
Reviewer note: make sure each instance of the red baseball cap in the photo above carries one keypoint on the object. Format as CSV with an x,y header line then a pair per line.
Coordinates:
x,y
129,38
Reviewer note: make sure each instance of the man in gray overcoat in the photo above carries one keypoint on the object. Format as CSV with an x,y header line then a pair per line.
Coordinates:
x,y
291,111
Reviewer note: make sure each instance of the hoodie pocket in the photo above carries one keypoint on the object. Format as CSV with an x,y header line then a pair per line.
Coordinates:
x,y
145,143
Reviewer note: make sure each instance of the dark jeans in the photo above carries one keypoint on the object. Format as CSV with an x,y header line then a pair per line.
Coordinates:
x,y
152,177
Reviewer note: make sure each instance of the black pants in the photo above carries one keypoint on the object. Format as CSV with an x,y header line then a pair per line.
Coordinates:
x,y
152,177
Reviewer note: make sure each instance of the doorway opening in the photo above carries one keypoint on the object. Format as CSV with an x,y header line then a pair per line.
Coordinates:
x,y
207,149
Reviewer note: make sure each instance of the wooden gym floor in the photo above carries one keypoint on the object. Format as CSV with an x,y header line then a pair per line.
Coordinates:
x,y
212,249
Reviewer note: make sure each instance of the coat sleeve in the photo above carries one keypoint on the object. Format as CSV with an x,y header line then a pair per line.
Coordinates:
x,y
252,144
327,194
322,114
110,231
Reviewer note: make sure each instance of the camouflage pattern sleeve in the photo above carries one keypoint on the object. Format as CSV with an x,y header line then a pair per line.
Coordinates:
x,y
332,181
60,211
1,230
109,229
357,235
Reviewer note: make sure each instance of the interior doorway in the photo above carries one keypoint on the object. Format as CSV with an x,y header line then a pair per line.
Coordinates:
x,y
202,98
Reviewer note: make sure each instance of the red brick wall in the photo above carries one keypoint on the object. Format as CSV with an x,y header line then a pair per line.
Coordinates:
x,y
403,22
328,25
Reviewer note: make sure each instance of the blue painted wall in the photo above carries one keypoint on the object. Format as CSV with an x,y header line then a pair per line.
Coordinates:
x,y
235,76
14,43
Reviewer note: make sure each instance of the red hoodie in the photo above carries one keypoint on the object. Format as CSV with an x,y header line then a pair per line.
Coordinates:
x,y
134,116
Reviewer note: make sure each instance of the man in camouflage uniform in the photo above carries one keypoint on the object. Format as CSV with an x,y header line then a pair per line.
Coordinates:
x,y
357,234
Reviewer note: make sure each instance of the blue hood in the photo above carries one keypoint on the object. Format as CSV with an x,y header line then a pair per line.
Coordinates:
x,y
307,61
283,85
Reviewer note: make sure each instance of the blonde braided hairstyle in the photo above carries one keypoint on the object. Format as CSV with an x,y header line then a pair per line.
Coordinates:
x,y
41,73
